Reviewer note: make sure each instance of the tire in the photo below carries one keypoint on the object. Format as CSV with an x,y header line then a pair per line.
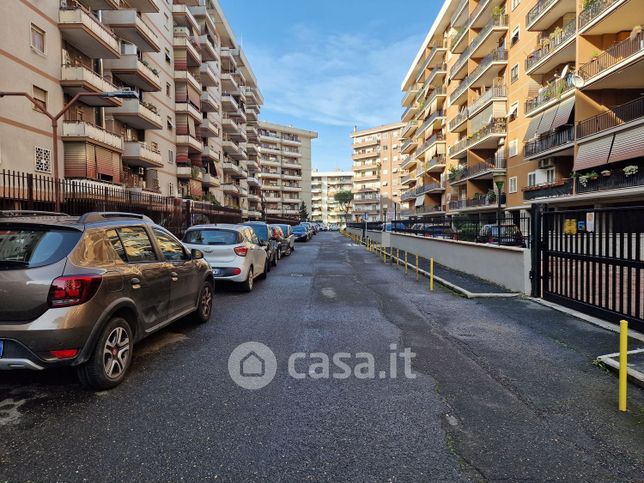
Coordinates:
x,y
266,270
204,307
110,359
288,251
279,253
247,286
274,260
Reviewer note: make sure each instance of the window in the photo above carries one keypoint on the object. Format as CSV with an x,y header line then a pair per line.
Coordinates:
x,y
515,3
172,250
514,74
137,244
170,156
513,148
37,39
168,57
40,96
512,184
167,21
514,112
532,178
115,241
515,36
42,159
550,175
168,89
169,123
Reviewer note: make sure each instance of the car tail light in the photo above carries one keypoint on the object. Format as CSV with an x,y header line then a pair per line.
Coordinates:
x,y
70,291
64,353
236,271
241,251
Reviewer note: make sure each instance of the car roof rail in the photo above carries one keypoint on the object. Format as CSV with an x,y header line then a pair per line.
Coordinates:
x,y
27,213
98,216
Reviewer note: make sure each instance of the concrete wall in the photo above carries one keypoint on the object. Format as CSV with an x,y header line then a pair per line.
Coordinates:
x,y
505,266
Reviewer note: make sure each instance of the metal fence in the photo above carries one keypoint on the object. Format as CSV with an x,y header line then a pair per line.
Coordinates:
x,y
22,191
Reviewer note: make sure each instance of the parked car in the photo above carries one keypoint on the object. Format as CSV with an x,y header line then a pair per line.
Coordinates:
x,y
510,235
234,252
301,233
263,232
309,227
278,236
82,291
289,239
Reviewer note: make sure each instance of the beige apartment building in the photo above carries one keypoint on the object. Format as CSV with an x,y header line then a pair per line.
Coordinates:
x,y
324,186
377,172
195,96
544,96
285,162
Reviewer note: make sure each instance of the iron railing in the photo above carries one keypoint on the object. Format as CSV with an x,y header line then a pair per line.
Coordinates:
x,y
537,10
593,9
562,187
475,169
458,119
487,97
617,116
497,21
617,180
498,55
612,56
553,91
549,141
537,55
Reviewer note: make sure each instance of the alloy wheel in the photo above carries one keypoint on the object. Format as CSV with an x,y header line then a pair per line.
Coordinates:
x,y
116,353
206,301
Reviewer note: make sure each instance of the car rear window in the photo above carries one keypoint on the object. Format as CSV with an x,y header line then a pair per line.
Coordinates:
x,y
29,247
284,229
299,228
211,237
261,231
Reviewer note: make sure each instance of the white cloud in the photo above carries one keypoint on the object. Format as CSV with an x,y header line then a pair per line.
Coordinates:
x,y
334,79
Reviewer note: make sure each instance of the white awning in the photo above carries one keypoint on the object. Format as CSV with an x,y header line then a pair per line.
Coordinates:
x,y
532,127
593,153
420,200
563,112
628,144
547,118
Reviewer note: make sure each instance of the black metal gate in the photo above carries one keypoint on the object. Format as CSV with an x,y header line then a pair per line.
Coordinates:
x,y
591,260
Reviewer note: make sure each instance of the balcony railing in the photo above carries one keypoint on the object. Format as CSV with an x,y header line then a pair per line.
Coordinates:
x,y
435,115
612,56
81,129
466,172
537,10
553,91
458,36
593,10
617,180
436,138
549,141
479,202
498,55
497,21
486,97
459,146
548,190
617,116
458,119
551,45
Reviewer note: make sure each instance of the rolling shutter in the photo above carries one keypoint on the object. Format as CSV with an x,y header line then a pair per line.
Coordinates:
x,y
563,113
420,200
532,127
547,119
628,144
104,162
593,153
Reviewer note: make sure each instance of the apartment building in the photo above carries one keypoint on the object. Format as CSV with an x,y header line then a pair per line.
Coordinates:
x,y
324,186
377,172
285,162
540,97
169,138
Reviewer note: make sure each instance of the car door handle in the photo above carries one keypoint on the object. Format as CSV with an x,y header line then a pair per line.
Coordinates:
x,y
174,276
136,283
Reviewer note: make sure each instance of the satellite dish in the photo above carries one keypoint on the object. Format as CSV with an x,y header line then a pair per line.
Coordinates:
x,y
564,71
578,81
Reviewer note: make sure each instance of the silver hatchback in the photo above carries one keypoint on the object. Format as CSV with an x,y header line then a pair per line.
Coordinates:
x,y
82,291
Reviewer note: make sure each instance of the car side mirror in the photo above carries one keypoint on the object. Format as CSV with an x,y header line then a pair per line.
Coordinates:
x,y
196,254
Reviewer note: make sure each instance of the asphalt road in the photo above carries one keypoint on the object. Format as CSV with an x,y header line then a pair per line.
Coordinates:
x,y
504,389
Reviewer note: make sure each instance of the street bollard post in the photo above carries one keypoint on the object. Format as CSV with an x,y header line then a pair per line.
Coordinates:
x,y
431,274
417,268
623,363
398,256
406,263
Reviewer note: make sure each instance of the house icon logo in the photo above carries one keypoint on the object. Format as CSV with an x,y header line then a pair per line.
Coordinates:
x,y
252,365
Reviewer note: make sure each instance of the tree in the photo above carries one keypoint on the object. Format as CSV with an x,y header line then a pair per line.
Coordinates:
x,y
304,215
344,197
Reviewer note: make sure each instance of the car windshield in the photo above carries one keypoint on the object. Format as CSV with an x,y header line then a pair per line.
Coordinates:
x,y
261,231
34,247
211,237
299,229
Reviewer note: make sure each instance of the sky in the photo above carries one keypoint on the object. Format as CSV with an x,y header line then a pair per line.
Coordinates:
x,y
330,65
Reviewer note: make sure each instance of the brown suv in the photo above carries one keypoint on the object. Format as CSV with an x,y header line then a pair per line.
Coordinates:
x,y
82,291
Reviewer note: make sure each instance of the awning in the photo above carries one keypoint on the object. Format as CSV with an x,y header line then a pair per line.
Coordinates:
x,y
546,120
420,200
513,110
532,127
563,112
627,145
593,153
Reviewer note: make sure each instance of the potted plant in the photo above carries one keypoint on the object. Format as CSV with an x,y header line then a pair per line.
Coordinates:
x,y
630,170
491,196
593,175
583,179
605,172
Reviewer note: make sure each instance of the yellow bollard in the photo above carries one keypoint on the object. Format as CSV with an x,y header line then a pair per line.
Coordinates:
x,y
417,268
623,361
406,264
431,274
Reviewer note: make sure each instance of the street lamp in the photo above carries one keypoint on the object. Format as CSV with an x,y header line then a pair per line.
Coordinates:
x,y
499,181
54,118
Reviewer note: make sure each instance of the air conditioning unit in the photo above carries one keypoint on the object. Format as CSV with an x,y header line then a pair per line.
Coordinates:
x,y
546,163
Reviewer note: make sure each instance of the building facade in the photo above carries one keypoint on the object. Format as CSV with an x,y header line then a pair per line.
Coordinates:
x,y
195,95
377,173
324,186
285,162
541,97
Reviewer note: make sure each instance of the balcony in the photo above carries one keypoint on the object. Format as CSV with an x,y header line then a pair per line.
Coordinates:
x,y
436,164
210,153
253,181
435,120
103,4
292,177
408,146
142,155
480,171
209,101
549,95
437,75
210,180
546,12
134,72
362,155
551,143
230,126
233,149
457,123
183,41
144,6
209,74
268,174
209,48
86,132
459,17
490,95
136,114
410,94
193,144
408,162
548,190
83,30
189,109
630,112
409,113
555,50
436,138
617,180
229,103
78,78
487,70
407,179
209,128
456,41
291,153
618,67
480,202
184,172
230,189
234,170
229,83
291,164
186,77
486,40
129,26
601,17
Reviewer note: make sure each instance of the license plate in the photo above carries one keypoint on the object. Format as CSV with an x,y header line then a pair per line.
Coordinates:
x,y
1,347
216,271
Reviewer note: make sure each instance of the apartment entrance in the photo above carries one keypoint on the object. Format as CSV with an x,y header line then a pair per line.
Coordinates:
x,y
591,260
